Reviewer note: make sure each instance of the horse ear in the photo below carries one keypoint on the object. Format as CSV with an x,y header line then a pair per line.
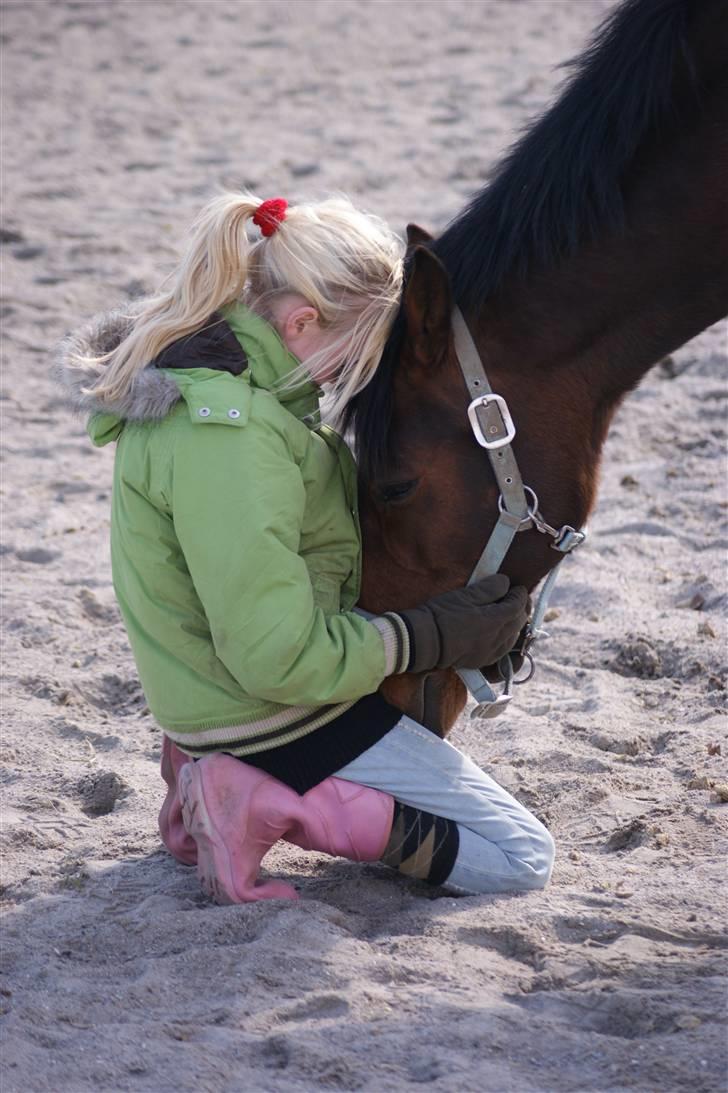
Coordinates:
x,y
427,308
416,236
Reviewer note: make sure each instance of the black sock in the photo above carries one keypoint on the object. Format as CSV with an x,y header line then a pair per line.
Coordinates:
x,y
422,845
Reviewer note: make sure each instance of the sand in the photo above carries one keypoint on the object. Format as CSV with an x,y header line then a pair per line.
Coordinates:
x,y
119,119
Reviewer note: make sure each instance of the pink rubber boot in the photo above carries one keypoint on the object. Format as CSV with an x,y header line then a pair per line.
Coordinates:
x,y
235,813
171,827
345,820
340,818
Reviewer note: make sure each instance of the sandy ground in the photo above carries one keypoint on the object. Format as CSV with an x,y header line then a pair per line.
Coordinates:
x,y
119,119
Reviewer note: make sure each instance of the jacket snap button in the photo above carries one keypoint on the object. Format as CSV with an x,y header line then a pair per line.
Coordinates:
x,y
233,413
204,411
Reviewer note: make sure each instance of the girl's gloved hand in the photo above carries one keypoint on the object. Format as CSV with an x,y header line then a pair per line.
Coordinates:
x,y
467,627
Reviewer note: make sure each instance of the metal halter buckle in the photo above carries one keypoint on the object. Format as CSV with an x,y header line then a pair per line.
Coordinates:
x,y
486,400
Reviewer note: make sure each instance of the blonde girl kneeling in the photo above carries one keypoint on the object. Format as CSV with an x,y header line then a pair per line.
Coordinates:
x,y
236,559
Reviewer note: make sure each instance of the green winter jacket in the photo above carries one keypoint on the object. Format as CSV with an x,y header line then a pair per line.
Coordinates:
x,y
236,549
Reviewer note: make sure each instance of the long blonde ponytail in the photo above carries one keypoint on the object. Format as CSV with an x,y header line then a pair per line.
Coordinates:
x,y
346,263
212,273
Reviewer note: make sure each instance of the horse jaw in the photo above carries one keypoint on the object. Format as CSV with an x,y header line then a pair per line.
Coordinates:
x,y
435,699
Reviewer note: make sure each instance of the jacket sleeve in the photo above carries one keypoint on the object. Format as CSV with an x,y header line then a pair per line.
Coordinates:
x,y
237,503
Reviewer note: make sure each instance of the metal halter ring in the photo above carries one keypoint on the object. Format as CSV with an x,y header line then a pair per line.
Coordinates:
x,y
527,658
533,515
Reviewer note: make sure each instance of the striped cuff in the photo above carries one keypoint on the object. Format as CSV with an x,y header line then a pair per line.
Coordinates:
x,y
396,642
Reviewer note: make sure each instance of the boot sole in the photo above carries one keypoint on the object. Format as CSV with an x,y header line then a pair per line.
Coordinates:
x,y
186,855
212,856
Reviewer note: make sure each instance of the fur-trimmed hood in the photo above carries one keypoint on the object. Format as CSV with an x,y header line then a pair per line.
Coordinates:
x,y
234,340
153,392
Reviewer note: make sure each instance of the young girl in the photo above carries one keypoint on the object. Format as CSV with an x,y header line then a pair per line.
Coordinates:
x,y
236,560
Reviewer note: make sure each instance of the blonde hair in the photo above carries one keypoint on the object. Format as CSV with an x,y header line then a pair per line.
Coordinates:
x,y
346,263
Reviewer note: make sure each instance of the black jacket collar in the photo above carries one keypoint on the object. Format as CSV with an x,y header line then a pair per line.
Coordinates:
x,y
215,346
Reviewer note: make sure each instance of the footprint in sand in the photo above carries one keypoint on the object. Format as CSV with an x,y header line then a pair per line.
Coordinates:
x,y
508,942
99,792
26,253
319,1008
275,1053
11,235
38,555
66,488
68,730
123,697
96,611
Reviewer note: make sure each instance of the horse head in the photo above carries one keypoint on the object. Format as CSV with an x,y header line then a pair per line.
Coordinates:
x,y
600,245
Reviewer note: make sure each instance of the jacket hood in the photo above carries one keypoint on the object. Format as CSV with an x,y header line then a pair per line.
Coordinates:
x,y
234,341
152,394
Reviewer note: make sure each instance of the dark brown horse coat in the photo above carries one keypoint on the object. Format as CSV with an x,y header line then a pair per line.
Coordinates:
x,y
600,246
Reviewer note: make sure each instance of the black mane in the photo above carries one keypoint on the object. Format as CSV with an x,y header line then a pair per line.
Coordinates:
x,y
558,186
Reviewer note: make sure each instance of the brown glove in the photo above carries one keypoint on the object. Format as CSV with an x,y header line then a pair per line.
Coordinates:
x,y
492,672
467,627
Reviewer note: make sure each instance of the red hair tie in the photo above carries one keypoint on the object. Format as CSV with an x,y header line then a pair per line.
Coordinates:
x,y
270,214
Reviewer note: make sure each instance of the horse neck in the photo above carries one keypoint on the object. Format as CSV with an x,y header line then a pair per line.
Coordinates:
x,y
564,346
594,325
624,301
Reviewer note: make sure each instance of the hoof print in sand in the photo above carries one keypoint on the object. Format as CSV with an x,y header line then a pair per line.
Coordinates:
x,y
11,235
27,253
634,745
507,941
65,488
275,1053
96,611
100,791
426,1070
638,658
38,555
50,689
113,695
121,697
626,1014
628,837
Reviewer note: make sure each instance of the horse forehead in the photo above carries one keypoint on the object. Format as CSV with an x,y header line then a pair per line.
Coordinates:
x,y
435,403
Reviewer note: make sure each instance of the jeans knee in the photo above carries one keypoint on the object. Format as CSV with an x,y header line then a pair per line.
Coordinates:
x,y
525,867
536,866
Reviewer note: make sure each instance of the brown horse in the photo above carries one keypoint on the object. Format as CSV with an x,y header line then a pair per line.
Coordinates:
x,y
600,246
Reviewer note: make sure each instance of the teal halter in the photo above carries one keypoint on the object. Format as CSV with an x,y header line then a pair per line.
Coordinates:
x,y
518,510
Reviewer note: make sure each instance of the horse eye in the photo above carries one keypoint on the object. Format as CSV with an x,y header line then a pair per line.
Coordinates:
x,y
396,491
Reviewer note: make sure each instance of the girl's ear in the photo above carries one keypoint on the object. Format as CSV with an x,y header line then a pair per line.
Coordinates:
x,y
427,309
298,321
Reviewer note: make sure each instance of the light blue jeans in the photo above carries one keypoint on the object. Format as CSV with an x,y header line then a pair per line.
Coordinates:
x,y
503,847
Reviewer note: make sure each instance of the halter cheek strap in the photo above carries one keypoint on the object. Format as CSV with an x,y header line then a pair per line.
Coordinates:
x,y
518,510
494,430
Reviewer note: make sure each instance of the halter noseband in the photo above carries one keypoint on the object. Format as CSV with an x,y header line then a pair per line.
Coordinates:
x,y
518,510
